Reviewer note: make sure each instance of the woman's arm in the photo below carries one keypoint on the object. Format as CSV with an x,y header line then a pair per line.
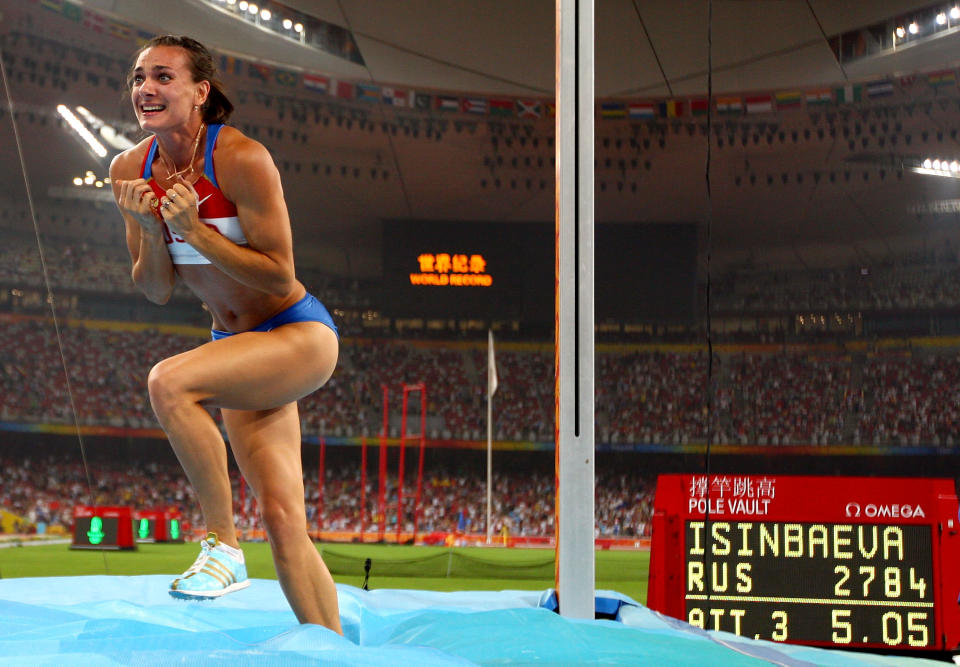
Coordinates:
x,y
152,271
248,177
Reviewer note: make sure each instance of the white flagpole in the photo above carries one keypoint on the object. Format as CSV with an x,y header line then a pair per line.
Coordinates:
x,y
491,388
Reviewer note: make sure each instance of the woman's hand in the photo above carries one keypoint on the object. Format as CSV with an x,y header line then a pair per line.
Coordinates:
x,y
180,210
137,198
152,270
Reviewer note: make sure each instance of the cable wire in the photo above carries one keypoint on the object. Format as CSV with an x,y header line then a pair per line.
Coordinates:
x,y
656,56
708,258
47,284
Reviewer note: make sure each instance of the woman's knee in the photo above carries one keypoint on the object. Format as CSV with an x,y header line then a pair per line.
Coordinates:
x,y
281,516
165,387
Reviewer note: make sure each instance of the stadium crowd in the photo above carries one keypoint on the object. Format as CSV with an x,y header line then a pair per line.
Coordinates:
x,y
643,396
44,491
909,282
910,400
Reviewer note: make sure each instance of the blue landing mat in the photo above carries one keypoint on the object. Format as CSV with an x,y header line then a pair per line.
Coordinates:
x,y
103,620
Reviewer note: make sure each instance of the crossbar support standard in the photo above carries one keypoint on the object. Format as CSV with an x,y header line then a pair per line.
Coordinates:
x,y
574,393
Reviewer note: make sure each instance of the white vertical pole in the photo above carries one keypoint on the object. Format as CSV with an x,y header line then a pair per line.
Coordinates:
x,y
491,387
574,302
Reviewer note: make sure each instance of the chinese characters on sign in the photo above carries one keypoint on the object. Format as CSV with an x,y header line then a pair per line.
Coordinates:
x,y
740,495
444,269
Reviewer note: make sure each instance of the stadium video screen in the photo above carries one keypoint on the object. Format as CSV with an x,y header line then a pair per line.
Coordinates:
x,y
455,269
644,272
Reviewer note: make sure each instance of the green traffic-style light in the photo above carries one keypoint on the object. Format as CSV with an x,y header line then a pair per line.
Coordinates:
x,y
143,532
174,529
95,534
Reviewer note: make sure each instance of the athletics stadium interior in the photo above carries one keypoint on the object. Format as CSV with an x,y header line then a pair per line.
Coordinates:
x,y
796,314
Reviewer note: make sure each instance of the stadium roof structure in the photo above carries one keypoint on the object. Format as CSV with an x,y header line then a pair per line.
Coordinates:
x,y
644,48
809,185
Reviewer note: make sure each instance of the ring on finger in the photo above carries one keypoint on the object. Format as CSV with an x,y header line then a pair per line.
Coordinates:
x,y
173,196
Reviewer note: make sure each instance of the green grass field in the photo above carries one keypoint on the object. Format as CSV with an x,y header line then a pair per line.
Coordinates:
x,y
405,567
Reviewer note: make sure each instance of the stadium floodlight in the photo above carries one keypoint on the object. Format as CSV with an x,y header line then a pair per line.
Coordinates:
x,y
253,9
265,14
941,18
77,126
955,13
901,32
287,24
298,27
107,132
85,114
913,28
114,138
243,5
89,178
934,167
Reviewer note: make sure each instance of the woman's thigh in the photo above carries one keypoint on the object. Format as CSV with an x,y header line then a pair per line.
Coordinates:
x,y
254,370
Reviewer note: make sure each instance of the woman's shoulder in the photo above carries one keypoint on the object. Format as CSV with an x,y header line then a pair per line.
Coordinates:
x,y
128,164
236,149
230,140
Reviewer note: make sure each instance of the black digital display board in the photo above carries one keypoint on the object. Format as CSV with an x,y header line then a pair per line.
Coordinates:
x,y
858,562
96,532
102,527
843,582
644,273
144,530
453,269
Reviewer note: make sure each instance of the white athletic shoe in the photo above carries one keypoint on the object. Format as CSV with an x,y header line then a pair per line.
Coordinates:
x,y
213,574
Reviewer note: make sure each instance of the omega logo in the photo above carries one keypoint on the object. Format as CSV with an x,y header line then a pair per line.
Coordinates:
x,y
889,511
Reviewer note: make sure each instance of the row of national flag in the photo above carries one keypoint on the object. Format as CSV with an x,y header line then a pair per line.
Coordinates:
x,y
96,22
769,103
401,97
532,108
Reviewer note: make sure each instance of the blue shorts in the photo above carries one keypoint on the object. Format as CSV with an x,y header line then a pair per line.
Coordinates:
x,y
307,309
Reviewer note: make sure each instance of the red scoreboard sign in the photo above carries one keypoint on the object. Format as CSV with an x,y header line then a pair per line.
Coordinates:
x,y
102,527
825,561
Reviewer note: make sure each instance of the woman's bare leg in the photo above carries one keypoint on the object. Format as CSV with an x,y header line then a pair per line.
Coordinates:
x,y
267,448
196,440
253,372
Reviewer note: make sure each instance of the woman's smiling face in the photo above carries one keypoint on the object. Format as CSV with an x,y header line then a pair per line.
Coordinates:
x,y
162,88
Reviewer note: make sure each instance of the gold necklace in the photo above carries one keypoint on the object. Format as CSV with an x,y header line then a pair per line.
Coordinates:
x,y
189,168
